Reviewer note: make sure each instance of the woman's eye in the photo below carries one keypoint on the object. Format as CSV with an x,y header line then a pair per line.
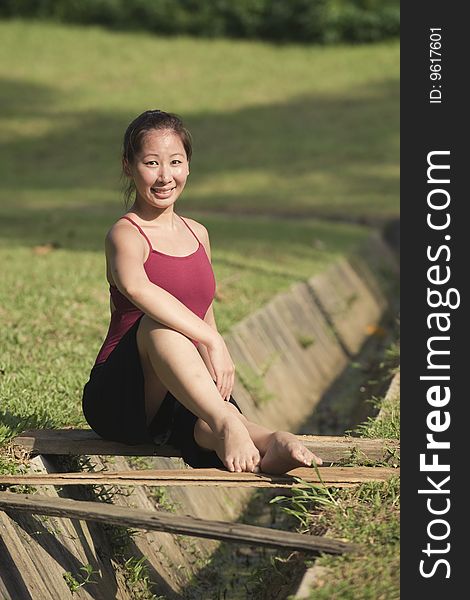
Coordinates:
x,y
151,163
176,161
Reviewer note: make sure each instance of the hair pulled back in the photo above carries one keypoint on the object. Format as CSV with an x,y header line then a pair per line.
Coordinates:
x,y
135,133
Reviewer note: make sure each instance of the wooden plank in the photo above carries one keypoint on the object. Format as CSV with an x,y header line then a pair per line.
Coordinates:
x,y
82,442
334,476
87,442
337,448
159,521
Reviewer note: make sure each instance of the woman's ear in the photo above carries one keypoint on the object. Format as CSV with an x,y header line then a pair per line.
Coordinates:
x,y
126,167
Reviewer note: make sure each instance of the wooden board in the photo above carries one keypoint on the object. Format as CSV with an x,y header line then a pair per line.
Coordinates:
x,y
87,442
334,476
83,442
146,519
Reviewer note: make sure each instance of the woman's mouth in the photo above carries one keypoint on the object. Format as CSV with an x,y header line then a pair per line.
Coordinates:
x,y
162,192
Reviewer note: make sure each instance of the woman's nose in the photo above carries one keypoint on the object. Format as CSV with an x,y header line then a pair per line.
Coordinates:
x,y
164,174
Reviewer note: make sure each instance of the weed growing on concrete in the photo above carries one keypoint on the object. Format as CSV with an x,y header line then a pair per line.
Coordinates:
x,y
254,384
138,579
305,340
161,497
73,584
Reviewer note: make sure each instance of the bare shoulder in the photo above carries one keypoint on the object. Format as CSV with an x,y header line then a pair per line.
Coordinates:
x,y
202,234
124,235
199,229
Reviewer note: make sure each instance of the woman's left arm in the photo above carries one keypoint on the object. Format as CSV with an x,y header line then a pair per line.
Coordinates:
x,y
210,317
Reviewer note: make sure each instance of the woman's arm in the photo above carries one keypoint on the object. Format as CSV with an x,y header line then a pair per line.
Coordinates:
x,y
202,349
126,251
210,317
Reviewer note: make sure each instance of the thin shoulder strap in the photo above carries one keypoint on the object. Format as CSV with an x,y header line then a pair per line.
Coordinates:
x,y
189,228
140,229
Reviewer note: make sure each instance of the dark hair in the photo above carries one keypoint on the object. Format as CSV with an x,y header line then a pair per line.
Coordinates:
x,y
145,122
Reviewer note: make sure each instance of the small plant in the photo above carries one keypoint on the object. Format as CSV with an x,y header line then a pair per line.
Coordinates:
x,y
138,579
120,538
189,546
305,340
388,427
254,384
343,306
72,582
160,495
350,300
303,500
140,462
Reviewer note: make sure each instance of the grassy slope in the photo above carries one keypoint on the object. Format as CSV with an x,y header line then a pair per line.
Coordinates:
x,y
277,129
305,130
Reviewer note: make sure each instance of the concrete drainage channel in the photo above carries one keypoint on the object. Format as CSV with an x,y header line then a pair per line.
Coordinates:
x,y
316,572
241,572
288,355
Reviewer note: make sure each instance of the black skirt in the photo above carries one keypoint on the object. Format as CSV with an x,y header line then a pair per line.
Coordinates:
x,y
114,406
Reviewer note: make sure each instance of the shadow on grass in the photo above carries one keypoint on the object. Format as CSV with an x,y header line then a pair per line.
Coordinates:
x,y
18,423
65,171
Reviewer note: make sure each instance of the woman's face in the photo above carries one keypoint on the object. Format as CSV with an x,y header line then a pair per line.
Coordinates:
x,y
160,169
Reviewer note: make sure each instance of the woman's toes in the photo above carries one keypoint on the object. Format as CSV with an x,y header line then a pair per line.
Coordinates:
x,y
299,454
315,460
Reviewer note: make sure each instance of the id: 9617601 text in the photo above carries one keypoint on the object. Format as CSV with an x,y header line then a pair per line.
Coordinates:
x,y
435,65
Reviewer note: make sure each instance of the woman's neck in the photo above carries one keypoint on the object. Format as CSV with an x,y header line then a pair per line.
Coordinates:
x,y
164,217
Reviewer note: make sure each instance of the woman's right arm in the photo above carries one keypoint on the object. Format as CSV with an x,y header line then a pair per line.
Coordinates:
x,y
126,250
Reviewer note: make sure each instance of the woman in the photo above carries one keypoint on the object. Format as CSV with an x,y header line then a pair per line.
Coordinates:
x,y
164,373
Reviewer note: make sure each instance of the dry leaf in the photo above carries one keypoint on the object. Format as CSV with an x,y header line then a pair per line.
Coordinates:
x,y
376,330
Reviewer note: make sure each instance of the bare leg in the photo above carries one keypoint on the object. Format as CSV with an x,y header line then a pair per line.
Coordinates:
x,y
179,367
281,451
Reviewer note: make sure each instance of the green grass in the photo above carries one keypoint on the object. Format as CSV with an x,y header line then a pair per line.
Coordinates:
x,y
291,129
307,132
387,428
368,516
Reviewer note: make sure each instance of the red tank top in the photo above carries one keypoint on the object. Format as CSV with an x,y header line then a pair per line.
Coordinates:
x,y
189,278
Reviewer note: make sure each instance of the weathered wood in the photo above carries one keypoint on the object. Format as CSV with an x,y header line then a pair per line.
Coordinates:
x,y
86,441
334,476
82,442
336,448
146,519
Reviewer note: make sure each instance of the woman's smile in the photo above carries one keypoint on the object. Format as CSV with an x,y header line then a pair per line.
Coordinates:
x,y
162,192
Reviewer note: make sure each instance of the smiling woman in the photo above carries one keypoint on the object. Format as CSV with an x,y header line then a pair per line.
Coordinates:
x,y
164,373
160,156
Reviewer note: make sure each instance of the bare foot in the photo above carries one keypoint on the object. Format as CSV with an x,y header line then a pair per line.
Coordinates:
x,y
285,452
235,448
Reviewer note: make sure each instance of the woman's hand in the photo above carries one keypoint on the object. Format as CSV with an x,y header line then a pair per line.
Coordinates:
x,y
223,366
